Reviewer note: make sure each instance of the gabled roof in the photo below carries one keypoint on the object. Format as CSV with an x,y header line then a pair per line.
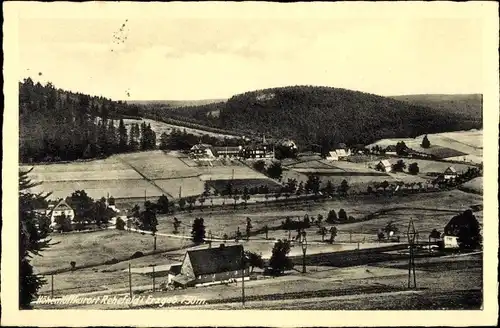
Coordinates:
x,y
216,260
228,149
450,169
341,152
62,205
385,163
201,147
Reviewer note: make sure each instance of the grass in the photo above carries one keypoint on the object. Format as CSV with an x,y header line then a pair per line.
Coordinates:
x,y
240,184
96,247
475,186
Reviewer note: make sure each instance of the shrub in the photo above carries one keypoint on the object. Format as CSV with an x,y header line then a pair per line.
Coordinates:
x,y
137,255
120,224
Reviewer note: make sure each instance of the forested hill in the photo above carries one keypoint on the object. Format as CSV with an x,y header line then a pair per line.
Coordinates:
x,y
324,115
59,125
468,105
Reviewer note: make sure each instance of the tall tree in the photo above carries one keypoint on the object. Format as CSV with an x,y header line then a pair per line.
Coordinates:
x,y
198,231
425,142
32,240
279,261
122,136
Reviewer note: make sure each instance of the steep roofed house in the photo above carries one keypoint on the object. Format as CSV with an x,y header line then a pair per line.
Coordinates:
x,y
341,152
384,165
212,266
202,151
450,173
59,209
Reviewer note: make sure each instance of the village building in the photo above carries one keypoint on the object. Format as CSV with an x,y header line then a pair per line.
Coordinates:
x,y
259,151
202,152
338,154
462,222
57,210
384,166
450,173
228,152
212,266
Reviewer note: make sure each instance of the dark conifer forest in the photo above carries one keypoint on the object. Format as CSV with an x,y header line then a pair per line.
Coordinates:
x,y
57,125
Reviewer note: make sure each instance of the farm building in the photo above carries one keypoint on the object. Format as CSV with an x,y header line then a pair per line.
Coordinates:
x,y
450,173
259,151
228,152
384,165
59,209
338,154
465,223
211,266
202,151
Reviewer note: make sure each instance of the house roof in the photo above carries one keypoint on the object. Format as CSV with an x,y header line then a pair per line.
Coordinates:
x,y
341,152
62,205
227,149
175,269
216,260
201,146
385,163
333,154
450,169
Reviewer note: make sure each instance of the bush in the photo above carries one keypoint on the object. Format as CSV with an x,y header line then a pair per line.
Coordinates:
x,y
137,255
120,224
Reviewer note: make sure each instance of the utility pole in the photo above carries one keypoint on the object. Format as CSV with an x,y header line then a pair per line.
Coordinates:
x,y
153,278
52,286
411,261
209,239
180,192
154,241
144,195
130,279
243,277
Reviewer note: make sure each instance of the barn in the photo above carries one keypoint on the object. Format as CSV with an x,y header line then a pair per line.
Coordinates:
x,y
212,266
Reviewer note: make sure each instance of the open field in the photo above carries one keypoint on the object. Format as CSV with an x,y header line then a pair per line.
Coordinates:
x,y
380,286
467,145
96,247
161,127
136,175
425,166
429,210
240,184
475,186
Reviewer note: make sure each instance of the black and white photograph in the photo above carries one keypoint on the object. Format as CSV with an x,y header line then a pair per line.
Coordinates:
x,y
251,156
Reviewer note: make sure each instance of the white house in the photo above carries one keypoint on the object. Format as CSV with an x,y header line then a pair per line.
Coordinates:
x,y
203,152
338,154
450,173
450,241
59,209
384,165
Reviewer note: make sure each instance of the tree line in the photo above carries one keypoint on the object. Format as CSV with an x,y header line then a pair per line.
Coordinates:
x,y
58,125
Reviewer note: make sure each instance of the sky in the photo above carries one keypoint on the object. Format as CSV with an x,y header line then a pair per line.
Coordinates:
x,y
188,57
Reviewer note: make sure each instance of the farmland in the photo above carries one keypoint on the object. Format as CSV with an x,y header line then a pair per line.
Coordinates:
x,y
240,184
458,145
137,175
96,247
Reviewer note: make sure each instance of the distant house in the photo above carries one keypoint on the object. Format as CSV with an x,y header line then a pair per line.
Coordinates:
x,y
465,221
211,266
338,154
228,152
384,166
450,173
202,151
391,150
59,209
259,151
